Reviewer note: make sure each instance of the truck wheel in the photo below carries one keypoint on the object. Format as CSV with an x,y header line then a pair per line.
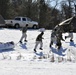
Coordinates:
x,y
34,27
17,26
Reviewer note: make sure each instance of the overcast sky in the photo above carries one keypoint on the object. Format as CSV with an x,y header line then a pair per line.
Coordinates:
x,y
53,3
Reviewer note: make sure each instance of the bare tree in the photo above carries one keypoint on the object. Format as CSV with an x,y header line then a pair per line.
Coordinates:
x,y
42,13
29,8
4,8
67,8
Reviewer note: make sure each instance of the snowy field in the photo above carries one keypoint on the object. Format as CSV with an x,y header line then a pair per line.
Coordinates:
x,y
23,61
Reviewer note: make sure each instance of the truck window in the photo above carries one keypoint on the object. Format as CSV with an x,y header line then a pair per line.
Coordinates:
x,y
28,19
17,19
23,19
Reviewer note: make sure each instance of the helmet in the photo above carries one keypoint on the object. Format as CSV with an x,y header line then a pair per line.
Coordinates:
x,y
42,33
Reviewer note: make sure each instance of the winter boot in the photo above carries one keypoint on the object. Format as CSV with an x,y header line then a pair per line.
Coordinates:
x,y
59,47
65,37
25,40
71,40
34,50
50,45
20,41
41,49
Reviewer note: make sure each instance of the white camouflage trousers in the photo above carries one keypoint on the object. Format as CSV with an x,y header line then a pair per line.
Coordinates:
x,y
54,39
37,43
24,35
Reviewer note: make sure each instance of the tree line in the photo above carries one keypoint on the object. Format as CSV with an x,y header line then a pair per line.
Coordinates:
x,y
41,11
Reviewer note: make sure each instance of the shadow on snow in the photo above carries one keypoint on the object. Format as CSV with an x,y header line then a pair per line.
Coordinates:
x,y
6,50
59,52
23,45
39,54
71,44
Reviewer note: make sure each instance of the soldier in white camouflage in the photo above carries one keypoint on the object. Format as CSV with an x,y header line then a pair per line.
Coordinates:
x,y
59,38
24,35
53,37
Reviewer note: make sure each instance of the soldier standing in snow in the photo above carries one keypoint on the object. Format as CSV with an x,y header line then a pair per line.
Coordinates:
x,y
53,37
54,33
39,41
24,35
59,38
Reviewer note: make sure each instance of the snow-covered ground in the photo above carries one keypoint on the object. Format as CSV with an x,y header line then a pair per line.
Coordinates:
x,y
23,61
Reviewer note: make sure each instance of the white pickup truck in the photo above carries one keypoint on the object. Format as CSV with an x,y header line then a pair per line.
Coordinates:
x,y
21,22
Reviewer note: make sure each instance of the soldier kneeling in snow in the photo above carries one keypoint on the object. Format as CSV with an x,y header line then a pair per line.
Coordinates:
x,y
39,41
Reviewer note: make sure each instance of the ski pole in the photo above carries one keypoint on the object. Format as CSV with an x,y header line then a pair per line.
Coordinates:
x,y
16,43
